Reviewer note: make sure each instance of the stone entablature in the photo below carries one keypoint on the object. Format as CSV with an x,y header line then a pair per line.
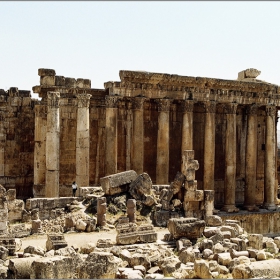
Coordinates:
x,y
156,85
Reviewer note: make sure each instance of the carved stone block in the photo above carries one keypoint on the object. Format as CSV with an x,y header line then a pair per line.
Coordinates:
x,y
55,242
117,183
186,227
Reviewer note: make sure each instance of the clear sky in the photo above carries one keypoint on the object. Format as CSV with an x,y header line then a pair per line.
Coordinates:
x,y
96,39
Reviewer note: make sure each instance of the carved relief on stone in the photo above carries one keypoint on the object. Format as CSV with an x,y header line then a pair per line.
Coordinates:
x,y
53,99
270,110
163,105
230,108
138,102
187,105
111,101
252,109
83,100
210,106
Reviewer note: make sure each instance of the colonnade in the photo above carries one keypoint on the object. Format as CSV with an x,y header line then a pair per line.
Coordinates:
x,y
46,172
162,161
163,138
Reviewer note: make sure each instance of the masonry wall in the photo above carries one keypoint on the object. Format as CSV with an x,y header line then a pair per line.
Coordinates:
x,y
17,141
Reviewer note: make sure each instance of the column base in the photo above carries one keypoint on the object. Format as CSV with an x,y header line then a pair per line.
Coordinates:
x,y
251,208
230,208
269,206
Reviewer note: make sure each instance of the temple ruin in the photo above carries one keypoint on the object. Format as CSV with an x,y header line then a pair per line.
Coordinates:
x,y
143,122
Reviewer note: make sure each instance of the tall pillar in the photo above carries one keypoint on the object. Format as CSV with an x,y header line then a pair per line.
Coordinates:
x,y
251,159
230,158
128,136
52,145
82,140
111,130
187,127
209,145
277,201
269,166
162,168
137,155
40,150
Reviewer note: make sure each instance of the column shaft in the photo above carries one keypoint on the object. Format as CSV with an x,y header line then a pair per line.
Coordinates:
x,y
251,159
111,153
162,168
137,155
40,150
209,145
269,166
52,145
230,158
187,127
82,140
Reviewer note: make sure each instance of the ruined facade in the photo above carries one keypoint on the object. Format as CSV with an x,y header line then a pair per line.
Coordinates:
x,y
143,122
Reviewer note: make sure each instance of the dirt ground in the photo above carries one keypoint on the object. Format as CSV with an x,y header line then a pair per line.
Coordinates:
x,y
80,239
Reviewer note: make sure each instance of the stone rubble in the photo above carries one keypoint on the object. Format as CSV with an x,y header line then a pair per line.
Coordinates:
x,y
199,245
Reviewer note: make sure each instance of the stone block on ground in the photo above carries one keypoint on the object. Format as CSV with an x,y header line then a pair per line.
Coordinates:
x,y
57,267
55,242
20,268
9,243
98,265
117,183
260,269
202,270
186,227
140,186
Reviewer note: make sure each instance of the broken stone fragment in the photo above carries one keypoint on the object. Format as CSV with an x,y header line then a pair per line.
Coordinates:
x,y
141,185
98,265
186,227
117,183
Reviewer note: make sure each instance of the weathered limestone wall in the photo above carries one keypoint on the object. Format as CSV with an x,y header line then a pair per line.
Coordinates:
x,y
256,222
17,140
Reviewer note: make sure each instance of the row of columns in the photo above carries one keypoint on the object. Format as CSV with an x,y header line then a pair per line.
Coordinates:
x,y
53,139
162,169
162,166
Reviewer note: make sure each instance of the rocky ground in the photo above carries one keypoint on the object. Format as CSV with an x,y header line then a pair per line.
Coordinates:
x,y
188,249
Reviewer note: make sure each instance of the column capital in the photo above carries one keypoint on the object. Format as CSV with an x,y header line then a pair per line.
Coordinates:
x,y
210,106
252,109
270,110
163,104
230,108
53,99
138,102
83,100
187,105
111,101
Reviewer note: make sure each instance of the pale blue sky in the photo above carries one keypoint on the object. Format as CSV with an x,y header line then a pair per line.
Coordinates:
x,y
95,39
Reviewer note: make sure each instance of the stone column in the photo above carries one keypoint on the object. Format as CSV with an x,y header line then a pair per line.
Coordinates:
x,y
82,140
40,150
101,211
52,145
111,130
209,145
269,166
2,145
131,210
251,158
230,158
187,127
128,136
277,201
137,155
162,168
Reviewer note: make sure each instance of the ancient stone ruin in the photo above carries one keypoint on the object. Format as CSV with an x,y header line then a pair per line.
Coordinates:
x,y
194,155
